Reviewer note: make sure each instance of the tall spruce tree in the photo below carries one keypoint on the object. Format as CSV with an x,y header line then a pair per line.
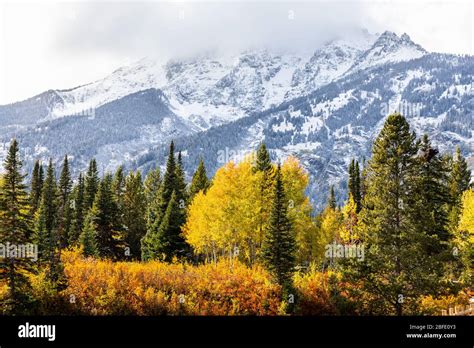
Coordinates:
x,y
332,199
37,179
64,208
78,210
354,183
152,189
91,183
152,185
119,183
396,269
134,208
279,245
168,241
118,188
180,184
88,237
46,229
200,182
264,170
173,181
169,181
431,197
104,212
15,229
358,187
363,176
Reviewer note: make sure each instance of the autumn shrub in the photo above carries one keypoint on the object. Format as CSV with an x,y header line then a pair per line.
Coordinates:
x,y
103,287
322,293
314,297
46,299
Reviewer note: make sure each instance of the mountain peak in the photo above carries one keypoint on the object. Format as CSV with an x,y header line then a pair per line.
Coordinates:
x,y
388,34
405,37
388,48
391,40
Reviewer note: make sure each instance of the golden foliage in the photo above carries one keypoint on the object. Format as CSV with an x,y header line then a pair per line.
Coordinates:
x,y
466,222
229,217
348,232
3,291
314,293
103,287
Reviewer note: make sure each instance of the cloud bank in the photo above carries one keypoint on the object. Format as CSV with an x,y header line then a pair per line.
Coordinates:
x,y
51,44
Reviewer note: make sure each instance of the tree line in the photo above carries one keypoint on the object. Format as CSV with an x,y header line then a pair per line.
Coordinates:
x,y
405,206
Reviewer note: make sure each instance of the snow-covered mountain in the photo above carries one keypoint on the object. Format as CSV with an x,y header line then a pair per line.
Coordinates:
x,y
324,107
208,90
388,48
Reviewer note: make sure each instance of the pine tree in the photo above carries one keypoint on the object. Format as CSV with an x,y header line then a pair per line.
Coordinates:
x,y
104,212
167,240
169,180
430,198
36,187
396,269
200,182
168,185
263,162
64,209
15,229
460,176
180,184
358,187
279,245
78,210
354,183
118,188
46,230
152,185
350,182
332,199
152,188
88,237
265,172
173,181
362,185
119,183
134,218
91,184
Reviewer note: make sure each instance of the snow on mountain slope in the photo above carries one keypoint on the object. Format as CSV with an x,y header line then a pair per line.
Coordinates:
x,y
209,89
388,48
142,75
340,120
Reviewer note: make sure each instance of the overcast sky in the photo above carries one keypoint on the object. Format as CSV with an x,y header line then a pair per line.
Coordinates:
x,y
52,45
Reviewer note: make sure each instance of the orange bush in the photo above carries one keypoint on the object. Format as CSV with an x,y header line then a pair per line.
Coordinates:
x,y
314,293
103,287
